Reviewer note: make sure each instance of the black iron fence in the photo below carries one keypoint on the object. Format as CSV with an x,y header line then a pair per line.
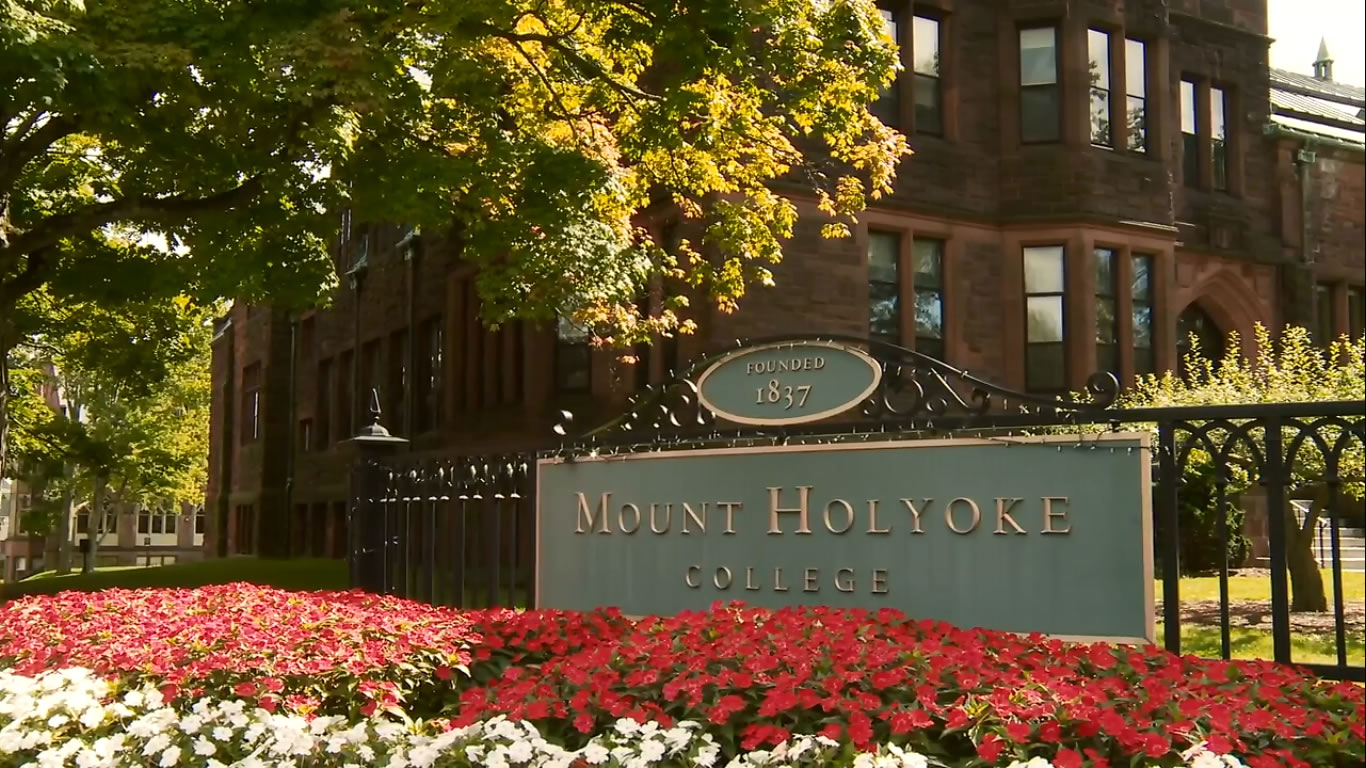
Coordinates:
x,y
459,531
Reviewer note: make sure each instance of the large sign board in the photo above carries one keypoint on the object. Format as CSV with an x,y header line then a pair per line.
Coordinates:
x,y
1048,535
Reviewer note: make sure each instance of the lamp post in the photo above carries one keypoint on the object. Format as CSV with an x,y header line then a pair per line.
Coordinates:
x,y
371,543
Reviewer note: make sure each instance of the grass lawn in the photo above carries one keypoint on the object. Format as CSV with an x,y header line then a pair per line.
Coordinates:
x,y
1258,588
304,574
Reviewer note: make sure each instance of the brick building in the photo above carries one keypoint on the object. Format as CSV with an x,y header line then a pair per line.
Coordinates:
x,y
1036,240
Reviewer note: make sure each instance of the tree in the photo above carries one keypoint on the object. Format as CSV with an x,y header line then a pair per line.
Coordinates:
x,y
134,382
1287,369
155,148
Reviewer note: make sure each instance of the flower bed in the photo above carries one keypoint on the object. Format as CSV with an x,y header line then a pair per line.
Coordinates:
x,y
341,673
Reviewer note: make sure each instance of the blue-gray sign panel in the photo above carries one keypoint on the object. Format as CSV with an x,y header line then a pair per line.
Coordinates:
x,y
1026,536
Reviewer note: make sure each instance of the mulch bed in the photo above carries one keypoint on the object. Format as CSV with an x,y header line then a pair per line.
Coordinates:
x,y
1257,614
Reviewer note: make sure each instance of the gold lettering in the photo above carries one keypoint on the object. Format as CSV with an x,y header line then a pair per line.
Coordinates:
x,y
811,580
1049,514
879,581
586,520
668,518
730,507
749,580
722,579
803,511
848,516
820,363
916,512
1003,515
691,514
621,519
844,579
782,366
872,518
687,577
976,515
778,585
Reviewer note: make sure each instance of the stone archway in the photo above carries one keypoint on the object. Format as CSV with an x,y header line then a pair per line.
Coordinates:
x,y
1213,340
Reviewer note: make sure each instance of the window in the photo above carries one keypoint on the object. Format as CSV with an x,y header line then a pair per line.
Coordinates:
x,y
1324,321
145,521
1045,352
201,521
170,522
324,403
1136,93
884,286
887,108
1218,110
1040,108
1107,332
346,399
1098,50
251,403
1190,135
573,357
1142,297
83,520
928,282
395,414
305,439
430,373
1356,312
928,95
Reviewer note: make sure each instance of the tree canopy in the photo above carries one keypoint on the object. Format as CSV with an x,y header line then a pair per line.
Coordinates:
x,y
204,147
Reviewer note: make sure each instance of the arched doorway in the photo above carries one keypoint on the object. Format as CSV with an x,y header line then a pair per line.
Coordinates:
x,y
1194,321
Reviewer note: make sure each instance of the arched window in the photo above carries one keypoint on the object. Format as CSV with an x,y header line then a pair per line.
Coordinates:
x,y
1195,321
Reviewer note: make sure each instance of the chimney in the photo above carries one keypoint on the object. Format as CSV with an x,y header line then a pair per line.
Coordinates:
x,y
1323,64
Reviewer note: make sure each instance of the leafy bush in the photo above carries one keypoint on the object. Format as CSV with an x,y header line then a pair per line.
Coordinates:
x,y
1199,514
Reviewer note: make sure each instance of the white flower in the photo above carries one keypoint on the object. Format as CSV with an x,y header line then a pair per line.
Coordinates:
x,y
204,748
170,757
595,754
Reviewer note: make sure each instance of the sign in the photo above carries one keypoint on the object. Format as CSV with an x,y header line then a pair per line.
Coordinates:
x,y
788,383
1013,534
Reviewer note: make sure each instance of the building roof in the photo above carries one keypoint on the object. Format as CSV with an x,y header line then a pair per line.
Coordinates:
x,y
1308,104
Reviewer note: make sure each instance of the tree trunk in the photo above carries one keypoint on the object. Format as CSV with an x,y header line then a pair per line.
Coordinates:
x,y
98,515
64,525
1306,582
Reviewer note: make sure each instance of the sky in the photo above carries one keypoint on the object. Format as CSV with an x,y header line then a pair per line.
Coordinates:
x,y
1297,25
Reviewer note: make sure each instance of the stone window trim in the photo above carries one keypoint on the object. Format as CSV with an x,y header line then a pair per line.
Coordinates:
x,y
1346,300
1079,306
901,104
1218,167
908,228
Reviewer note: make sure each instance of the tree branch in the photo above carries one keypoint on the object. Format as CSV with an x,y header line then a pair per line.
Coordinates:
x,y
578,60
24,148
26,281
54,229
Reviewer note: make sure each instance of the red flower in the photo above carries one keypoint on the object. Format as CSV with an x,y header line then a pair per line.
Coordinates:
x,y
990,749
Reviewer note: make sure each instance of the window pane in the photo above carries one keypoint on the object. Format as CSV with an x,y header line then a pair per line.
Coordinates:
x,y
1100,117
1190,159
1142,281
925,45
1138,124
884,311
1104,259
1038,56
884,256
1135,68
927,258
929,314
573,367
1098,49
1044,322
1323,309
1218,135
929,116
1039,114
1218,130
887,108
571,332
1105,322
1188,115
1143,327
1045,368
1043,269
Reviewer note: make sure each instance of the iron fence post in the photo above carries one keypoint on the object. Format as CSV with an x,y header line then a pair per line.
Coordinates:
x,y
368,512
1275,477
1168,483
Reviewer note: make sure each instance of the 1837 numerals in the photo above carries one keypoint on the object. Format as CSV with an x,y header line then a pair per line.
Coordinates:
x,y
775,393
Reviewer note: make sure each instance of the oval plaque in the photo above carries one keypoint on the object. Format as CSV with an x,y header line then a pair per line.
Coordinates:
x,y
789,382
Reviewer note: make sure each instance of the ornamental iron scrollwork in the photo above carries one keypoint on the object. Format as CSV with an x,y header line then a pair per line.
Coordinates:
x,y
915,391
